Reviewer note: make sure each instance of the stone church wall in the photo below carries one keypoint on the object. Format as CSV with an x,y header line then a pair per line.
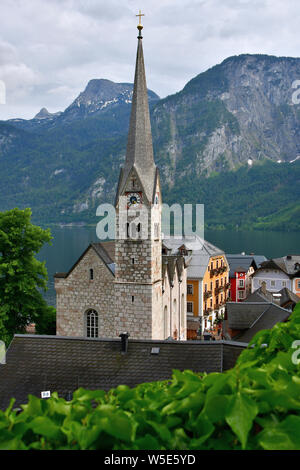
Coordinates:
x,y
76,294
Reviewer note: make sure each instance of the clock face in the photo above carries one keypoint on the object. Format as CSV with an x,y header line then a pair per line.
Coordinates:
x,y
133,199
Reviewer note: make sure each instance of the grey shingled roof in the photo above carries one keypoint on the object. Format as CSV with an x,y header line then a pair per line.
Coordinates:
x,y
285,264
287,296
272,315
240,263
139,153
40,363
252,317
259,296
202,250
242,315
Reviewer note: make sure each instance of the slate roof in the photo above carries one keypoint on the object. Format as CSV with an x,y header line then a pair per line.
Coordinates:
x,y
105,251
196,263
253,317
289,264
240,263
274,314
242,315
259,296
41,363
201,249
286,297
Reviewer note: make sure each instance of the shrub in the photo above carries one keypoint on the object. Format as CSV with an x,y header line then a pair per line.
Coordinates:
x,y
255,405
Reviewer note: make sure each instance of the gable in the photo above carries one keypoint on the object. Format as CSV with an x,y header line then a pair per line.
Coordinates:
x,y
94,255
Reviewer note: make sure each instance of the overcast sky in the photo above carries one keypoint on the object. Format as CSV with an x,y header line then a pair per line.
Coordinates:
x,y
50,49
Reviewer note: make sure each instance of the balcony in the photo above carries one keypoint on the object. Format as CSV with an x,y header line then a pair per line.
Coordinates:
x,y
207,294
207,311
218,289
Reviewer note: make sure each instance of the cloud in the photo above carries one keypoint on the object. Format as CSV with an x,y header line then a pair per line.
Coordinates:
x,y
49,50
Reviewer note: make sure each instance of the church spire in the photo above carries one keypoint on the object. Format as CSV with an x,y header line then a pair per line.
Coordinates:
x,y
139,153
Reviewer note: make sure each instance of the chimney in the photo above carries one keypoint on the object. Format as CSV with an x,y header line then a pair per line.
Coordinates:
x,y
124,341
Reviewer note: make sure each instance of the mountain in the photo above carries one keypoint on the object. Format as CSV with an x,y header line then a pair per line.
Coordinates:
x,y
218,142
99,96
238,110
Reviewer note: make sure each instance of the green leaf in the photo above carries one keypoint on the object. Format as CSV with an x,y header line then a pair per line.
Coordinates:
x,y
281,436
45,427
240,415
203,429
147,442
85,395
13,444
215,407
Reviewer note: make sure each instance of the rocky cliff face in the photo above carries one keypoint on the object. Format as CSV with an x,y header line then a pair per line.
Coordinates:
x,y
239,110
236,112
100,95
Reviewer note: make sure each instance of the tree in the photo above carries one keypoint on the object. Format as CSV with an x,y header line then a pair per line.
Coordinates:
x,y
22,275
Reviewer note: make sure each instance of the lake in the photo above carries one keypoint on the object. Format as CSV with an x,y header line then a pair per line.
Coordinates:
x,y
69,243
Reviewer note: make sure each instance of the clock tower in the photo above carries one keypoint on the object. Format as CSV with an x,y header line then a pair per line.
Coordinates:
x,y
138,244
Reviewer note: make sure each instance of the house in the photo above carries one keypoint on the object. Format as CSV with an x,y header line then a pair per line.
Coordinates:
x,y
207,281
285,298
36,364
279,273
242,267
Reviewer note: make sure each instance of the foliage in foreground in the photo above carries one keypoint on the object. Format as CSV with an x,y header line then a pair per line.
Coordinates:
x,y
22,275
255,405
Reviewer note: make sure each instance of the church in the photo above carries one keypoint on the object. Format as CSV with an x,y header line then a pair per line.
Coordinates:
x,y
133,283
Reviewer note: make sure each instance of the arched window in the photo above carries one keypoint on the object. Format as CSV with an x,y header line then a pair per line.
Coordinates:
x,y
92,324
91,274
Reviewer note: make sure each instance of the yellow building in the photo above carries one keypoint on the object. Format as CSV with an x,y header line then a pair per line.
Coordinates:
x,y
207,281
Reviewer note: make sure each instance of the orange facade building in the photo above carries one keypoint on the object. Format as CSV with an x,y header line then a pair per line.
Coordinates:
x,y
207,282
207,295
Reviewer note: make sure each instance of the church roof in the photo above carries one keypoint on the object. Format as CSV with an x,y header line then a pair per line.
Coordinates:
x,y
139,153
63,364
105,251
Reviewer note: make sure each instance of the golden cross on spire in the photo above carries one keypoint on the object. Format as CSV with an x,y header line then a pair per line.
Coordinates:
x,y
140,18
